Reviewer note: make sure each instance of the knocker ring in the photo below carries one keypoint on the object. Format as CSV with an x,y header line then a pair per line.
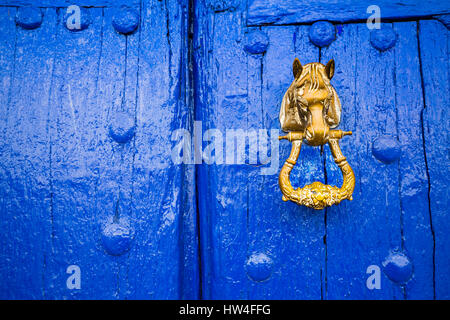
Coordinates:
x,y
309,109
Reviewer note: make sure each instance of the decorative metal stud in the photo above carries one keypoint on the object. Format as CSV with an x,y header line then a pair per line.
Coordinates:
x,y
29,17
256,42
259,267
322,33
117,236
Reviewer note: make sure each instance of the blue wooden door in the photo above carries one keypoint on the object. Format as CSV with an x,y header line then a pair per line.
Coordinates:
x,y
122,171
393,84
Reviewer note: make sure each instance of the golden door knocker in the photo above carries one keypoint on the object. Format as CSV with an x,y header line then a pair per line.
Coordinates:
x,y
310,107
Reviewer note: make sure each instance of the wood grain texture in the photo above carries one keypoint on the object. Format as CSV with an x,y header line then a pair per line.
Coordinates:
x,y
86,170
434,50
7,72
223,189
417,237
239,207
164,259
26,174
404,184
67,179
262,12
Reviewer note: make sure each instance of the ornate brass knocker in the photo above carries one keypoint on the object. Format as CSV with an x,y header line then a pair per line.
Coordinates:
x,y
310,107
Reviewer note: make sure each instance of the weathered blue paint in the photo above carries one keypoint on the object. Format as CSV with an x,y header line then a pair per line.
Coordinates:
x,y
282,12
434,53
445,19
86,176
360,233
66,3
256,42
87,179
25,191
223,5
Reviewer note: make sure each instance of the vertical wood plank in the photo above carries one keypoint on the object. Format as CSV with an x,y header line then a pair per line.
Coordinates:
x,y
223,187
7,74
243,217
79,146
362,232
116,100
434,53
417,240
121,211
161,263
260,249
26,198
294,234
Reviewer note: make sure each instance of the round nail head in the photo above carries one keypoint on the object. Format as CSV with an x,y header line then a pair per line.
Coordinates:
x,y
259,267
383,39
125,21
322,33
29,17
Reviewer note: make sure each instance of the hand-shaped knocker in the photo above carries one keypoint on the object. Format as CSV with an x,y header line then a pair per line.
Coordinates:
x,y
309,109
